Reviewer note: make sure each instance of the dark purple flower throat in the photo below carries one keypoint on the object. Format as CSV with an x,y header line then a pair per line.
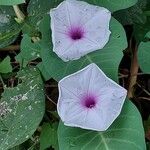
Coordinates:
x,y
89,101
76,33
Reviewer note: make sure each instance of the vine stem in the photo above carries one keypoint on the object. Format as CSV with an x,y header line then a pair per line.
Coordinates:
x,y
19,13
11,48
1,79
21,17
51,100
133,73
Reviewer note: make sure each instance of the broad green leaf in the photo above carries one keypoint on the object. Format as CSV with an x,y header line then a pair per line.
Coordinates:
x,y
114,5
48,136
126,133
30,27
19,147
36,11
22,109
144,56
9,28
140,30
19,58
38,8
107,59
44,71
5,65
29,50
11,2
133,14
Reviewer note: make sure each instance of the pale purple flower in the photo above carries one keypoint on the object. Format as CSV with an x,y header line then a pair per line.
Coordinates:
x,y
89,99
79,28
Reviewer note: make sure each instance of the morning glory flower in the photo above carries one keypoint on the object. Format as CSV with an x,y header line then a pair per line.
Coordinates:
x,y
89,99
78,28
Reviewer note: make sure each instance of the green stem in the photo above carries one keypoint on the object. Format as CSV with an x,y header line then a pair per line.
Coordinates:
x,y
21,18
19,13
2,81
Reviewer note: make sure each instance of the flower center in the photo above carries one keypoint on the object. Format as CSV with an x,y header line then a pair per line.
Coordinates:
x,y
76,33
89,101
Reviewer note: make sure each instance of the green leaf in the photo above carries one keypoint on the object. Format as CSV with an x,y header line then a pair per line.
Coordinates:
x,y
23,62
133,14
9,28
126,133
30,27
114,5
144,56
140,30
11,2
108,58
48,136
22,109
29,50
44,72
37,10
5,65
19,147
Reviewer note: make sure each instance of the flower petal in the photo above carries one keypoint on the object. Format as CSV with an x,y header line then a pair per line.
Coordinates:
x,y
87,120
89,99
78,28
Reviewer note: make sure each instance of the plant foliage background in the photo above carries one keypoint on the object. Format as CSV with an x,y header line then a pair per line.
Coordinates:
x,y
29,72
